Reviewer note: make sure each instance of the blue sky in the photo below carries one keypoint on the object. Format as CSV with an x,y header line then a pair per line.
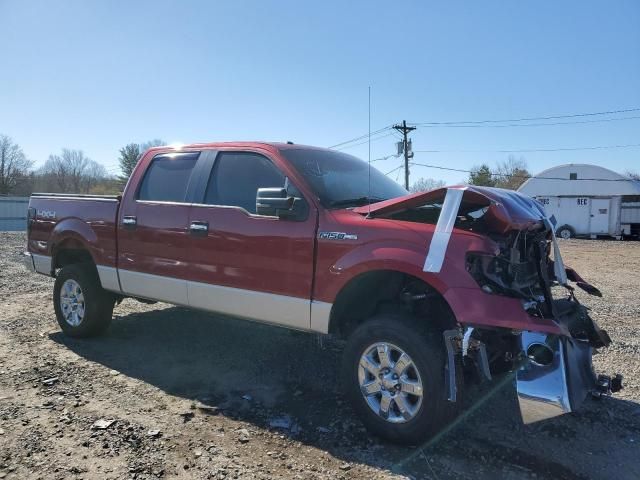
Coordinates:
x,y
97,75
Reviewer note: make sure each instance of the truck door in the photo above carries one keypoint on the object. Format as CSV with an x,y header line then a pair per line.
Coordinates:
x,y
244,264
600,215
153,232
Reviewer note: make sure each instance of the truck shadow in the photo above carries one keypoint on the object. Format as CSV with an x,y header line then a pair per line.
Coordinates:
x,y
289,381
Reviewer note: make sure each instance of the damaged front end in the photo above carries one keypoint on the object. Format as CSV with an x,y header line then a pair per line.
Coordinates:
x,y
554,371
550,340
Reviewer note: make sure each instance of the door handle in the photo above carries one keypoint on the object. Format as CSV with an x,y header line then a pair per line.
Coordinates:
x,y
199,228
129,221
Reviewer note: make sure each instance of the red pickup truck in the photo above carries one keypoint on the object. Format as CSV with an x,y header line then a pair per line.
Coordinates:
x,y
429,290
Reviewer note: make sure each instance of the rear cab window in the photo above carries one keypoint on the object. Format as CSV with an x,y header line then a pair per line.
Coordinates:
x,y
167,177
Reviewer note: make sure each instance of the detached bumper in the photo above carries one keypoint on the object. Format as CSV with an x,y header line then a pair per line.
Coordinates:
x,y
557,376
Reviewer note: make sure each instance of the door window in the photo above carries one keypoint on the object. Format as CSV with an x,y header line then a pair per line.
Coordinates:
x,y
236,178
167,177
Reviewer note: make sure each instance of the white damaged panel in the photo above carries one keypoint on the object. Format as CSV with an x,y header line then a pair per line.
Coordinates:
x,y
442,233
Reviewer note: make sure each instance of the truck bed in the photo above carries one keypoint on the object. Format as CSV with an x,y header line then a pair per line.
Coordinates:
x,y
55,220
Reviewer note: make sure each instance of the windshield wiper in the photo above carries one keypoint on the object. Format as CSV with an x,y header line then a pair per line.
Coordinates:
x,y
355,201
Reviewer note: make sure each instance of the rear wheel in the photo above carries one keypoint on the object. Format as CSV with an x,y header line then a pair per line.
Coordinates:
x,y
394,377
83,308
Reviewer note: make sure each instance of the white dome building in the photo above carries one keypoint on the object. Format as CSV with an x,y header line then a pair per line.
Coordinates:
x,y
587,200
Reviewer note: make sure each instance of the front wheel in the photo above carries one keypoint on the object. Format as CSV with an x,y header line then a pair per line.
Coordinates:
x,y
83,308
394,377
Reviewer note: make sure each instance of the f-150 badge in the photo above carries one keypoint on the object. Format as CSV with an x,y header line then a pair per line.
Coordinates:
x,y
337,236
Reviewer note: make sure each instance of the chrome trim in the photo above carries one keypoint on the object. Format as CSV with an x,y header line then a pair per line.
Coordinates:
x,y
320,315
42,264
282,310
108,278
271,308
154,287
542,390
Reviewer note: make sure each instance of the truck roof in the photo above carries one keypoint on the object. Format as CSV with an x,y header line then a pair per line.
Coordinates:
x,y
274,145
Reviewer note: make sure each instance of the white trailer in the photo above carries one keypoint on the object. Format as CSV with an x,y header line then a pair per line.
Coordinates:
x,y
587,200
584,216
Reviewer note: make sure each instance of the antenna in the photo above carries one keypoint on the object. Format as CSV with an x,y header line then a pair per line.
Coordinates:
x,y
369,138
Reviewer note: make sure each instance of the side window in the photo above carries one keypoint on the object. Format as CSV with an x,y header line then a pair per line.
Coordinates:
x,y
167,177
236,178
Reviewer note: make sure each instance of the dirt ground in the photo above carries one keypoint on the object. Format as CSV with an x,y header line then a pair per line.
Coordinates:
x,y
190,395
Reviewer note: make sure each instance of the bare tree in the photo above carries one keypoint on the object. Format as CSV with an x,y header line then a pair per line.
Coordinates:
x,y
632,174
425,184
14,165
511,173
72,171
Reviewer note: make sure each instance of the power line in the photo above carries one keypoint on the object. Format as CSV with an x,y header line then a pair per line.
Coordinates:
x,y
391,171
385,158
360,137
511,125
509,122
528,119
524,176
567,149
363,142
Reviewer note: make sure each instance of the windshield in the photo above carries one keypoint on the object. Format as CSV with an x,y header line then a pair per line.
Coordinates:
x,y
341,180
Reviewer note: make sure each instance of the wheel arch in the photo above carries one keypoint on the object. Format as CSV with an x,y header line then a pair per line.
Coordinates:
x,y
380,290
72,241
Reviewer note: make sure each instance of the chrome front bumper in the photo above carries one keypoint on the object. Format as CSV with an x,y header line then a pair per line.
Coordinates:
x,y
556,377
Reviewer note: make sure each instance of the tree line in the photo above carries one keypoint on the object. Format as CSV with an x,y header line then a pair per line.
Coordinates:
x,y
509,174
69,171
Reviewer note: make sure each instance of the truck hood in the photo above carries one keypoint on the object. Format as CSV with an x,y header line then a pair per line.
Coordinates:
x,y
506,209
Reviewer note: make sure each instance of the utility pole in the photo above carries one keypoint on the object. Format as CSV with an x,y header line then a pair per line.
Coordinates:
x,y
407,154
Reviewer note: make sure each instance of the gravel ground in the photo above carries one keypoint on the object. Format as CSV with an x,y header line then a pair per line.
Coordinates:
x,y
169,392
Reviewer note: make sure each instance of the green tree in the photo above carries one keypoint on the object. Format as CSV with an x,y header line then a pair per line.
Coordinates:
x,y
481,176
128,159
131,153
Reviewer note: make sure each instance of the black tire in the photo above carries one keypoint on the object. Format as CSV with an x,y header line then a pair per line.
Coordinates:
x,y
427,350
98,303
566,232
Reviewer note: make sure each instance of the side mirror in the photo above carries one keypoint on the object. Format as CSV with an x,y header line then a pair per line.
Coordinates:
x,y
276,202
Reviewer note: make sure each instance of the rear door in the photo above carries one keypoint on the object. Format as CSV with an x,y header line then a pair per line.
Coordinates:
x,y
153,233
244,264
600,215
